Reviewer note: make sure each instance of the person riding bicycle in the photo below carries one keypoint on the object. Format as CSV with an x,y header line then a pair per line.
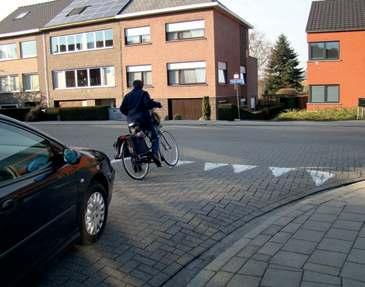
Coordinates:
x,y
137,105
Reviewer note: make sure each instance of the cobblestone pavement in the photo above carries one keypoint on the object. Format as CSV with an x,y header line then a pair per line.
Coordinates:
x,y
164,230
317,242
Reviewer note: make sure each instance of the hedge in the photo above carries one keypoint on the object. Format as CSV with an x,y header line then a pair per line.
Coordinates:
x,y
18,114
84,114
340,114
227,112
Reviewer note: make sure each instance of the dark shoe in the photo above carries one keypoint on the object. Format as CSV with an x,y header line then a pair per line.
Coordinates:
x,y
156,160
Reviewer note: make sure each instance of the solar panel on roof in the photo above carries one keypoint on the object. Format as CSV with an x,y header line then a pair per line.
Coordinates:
x,y
96,9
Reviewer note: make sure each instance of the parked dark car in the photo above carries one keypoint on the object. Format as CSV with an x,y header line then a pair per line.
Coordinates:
x,y
50,196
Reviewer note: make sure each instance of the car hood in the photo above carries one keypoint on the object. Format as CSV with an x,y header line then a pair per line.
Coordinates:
x,y
98,155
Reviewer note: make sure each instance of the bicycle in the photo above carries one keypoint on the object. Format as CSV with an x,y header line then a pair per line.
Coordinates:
x,y
135,150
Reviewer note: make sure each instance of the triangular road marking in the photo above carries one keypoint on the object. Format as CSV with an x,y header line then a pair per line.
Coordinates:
x,y
279,171
184,162
238,168
320,177
210,165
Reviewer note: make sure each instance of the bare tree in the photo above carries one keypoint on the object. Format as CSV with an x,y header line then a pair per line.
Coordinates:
x,y
260,48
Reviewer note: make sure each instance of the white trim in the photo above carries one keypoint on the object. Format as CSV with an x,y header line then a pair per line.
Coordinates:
x,y
222,65
24,32
185,26
186,66
141,31
140,68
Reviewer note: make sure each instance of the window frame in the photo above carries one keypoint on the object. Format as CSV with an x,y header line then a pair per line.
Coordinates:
x,y
102,78
325,94
225,72
143,71
32,90
8,81
325,58
186,69
140,36
181,32
56,147
7,52
84,42
32,55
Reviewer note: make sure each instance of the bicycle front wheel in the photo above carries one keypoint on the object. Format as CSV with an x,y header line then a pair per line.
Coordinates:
x,y
168,148
134,167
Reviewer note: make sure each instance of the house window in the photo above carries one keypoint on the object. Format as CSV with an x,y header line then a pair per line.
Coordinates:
x,y
143,73
325,93
77,11
138,35
8,52
324,51
186,73
28,49
9,84
185,30
84,78
222,73
31,83
82,42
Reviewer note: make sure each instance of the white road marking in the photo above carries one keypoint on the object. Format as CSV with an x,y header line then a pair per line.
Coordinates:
x,y
320,177
279,171
210,165
238,168
184,162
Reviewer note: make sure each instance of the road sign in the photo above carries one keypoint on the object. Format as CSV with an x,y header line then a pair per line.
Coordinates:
x,y
236,76
240,82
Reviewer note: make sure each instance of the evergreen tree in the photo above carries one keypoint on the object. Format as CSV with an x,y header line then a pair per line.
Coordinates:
x,y
283,69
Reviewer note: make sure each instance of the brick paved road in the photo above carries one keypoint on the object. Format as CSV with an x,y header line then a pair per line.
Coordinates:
x,y
166,229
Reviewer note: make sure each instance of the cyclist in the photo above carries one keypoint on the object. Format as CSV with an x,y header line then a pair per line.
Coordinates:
x,y
137,105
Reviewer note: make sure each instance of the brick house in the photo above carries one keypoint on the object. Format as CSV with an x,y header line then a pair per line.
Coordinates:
x,y
89,52
336,66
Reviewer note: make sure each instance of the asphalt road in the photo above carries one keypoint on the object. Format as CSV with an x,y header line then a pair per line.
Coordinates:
x,y
164,230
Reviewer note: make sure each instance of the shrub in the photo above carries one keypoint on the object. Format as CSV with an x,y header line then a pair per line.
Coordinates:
x,y
52,114
166,118
84,114
206,112
227,112
178,117
18,114
339,114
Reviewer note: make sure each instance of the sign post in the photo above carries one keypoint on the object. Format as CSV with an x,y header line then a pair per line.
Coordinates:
x,y
237,81
361,109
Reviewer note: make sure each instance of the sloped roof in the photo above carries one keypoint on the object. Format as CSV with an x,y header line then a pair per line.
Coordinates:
x,y
336,15
95,9
38,15
143,5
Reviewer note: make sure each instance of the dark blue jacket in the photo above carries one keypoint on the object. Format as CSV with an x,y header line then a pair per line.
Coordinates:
x,y
137,105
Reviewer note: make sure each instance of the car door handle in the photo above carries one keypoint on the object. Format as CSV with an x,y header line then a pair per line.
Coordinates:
x,y
7,205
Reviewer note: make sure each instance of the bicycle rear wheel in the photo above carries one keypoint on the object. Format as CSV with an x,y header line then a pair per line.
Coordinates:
x,y
134,167
168,148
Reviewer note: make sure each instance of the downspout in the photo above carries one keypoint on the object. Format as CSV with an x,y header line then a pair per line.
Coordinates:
x,y
45,68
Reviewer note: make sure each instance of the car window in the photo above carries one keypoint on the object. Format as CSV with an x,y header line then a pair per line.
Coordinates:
x,y
21,153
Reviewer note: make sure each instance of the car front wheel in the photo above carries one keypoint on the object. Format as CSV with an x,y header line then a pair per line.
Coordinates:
x,y
94,214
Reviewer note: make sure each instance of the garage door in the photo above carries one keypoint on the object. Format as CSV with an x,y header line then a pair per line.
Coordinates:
x,y
189,109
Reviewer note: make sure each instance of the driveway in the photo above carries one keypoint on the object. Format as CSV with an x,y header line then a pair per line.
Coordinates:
x,y
166,229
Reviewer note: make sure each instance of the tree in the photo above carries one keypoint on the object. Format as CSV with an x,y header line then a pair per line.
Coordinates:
x,y
260,48
283,70
206,109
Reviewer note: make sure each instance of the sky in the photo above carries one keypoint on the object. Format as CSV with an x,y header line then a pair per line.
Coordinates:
x,y
272,17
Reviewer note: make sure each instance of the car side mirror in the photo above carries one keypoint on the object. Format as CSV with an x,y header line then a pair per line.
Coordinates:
x,y
71,156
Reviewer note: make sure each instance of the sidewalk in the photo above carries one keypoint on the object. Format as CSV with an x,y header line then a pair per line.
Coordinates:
x,y
216,123
319,241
